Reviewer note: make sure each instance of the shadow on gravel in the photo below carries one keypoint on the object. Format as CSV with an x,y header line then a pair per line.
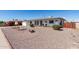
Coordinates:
x,y
60,30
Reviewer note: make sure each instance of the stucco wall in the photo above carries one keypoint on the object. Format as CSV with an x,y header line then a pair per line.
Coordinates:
x,y
77,25
33,22
24,23
45,22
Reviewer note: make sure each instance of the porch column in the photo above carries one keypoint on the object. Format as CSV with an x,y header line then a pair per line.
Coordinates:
x,y
54,21
39,23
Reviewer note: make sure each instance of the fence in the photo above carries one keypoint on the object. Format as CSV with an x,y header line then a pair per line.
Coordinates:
x,y
70,25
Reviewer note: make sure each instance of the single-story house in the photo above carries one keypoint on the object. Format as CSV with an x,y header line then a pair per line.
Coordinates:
x,y
44,22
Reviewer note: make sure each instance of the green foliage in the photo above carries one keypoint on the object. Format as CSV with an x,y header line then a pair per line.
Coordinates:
x,y
32,25
57,27
1,22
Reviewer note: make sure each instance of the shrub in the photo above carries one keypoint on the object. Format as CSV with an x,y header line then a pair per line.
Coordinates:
x,y
57,27
1,22
32,31
32,25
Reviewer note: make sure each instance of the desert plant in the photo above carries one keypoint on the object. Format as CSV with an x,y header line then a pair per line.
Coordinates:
x,y
1,23
57,27
32,25
32,31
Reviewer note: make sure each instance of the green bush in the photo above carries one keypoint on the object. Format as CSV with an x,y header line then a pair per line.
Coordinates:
x,y
1,23
57,27
32,25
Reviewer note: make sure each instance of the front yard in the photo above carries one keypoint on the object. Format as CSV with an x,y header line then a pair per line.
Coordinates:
x,y
43,38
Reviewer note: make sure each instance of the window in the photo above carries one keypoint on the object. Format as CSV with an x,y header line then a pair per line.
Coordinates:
x,y
51,21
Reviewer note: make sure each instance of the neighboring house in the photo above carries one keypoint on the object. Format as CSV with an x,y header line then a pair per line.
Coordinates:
x,y
45,21
13,23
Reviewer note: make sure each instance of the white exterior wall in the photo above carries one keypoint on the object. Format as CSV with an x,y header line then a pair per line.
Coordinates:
x,y
16,22
57,22
33,22
39,23
77,25
45,22
24,23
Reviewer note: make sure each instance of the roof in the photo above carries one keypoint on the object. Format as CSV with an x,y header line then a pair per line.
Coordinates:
x,y
47,19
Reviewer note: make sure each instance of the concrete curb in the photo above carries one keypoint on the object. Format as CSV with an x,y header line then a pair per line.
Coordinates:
x,y
4,44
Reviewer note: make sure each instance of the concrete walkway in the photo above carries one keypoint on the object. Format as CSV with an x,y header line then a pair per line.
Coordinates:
x,y
3,41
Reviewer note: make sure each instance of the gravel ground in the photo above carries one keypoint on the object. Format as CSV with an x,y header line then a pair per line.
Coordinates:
x,y
43,38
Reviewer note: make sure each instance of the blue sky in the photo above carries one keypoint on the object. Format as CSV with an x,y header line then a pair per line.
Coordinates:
x,y
70,15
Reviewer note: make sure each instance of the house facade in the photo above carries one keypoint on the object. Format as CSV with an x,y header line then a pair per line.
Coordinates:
x,y
45,21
